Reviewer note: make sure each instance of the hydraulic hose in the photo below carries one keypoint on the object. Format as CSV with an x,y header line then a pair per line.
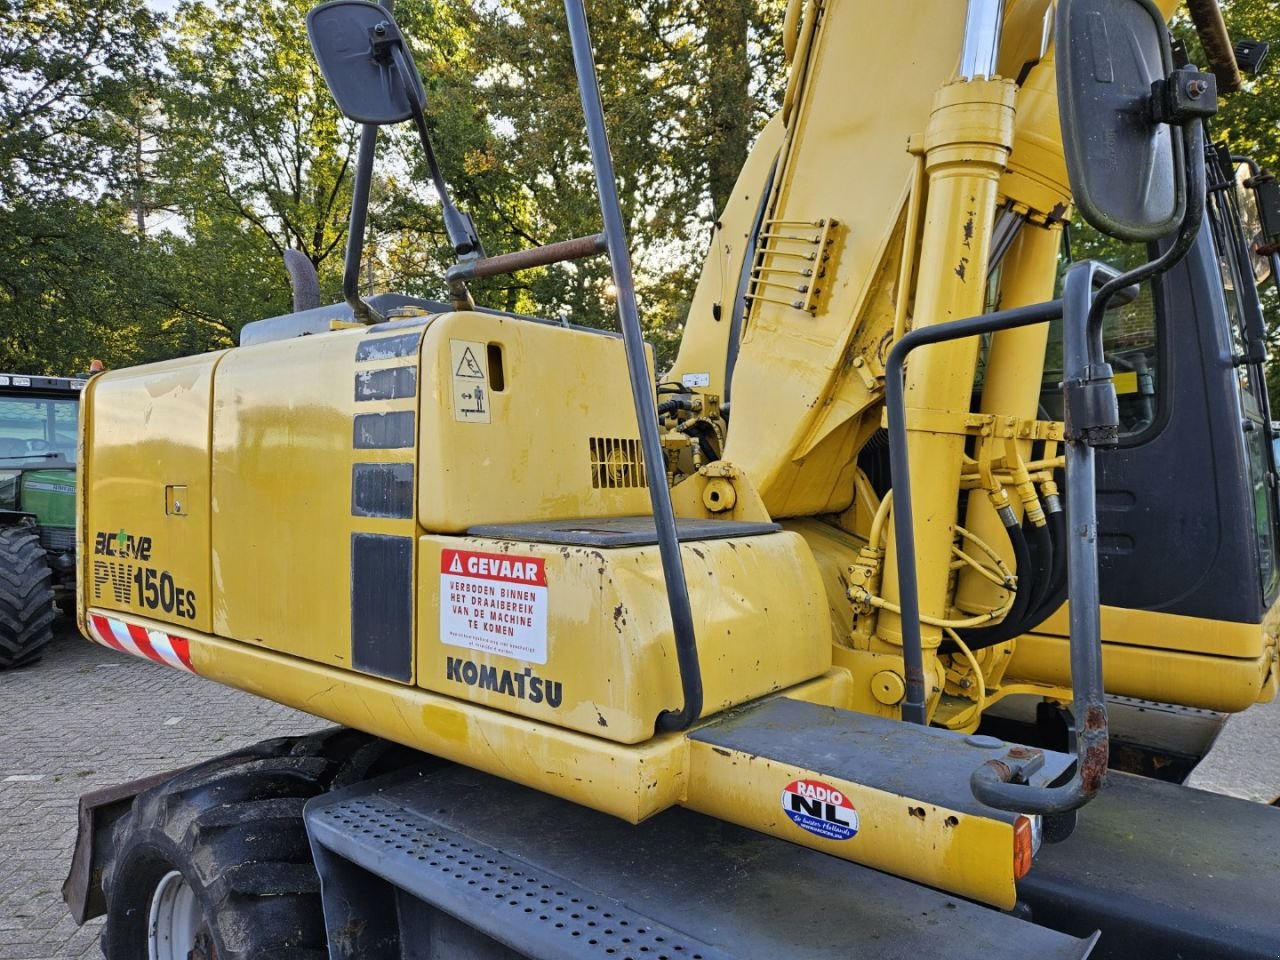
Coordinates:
x,y
1050,590
1029,577
1044,564
1022,560
674,404
1056,582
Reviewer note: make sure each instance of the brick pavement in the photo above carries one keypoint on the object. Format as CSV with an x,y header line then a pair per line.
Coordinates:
x,y
86,717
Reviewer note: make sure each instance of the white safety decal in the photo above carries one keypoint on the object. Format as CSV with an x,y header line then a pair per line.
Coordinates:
x,y
470,365
495,603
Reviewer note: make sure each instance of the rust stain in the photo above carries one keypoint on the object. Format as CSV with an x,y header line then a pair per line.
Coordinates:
x,y
1094,767
1003,773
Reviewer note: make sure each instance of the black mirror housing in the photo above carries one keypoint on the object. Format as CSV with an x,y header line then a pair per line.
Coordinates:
x,y
1127,170
365,62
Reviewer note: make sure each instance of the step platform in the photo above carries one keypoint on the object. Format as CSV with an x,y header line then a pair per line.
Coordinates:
x,y
448,862
885,794
1165,872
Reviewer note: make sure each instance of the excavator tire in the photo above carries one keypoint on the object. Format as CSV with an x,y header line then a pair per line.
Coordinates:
x,y
26,598
215,862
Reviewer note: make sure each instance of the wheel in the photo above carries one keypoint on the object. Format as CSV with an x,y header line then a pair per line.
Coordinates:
x,y
214,864
26,597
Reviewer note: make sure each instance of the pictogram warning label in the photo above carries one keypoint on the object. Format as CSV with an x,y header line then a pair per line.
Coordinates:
x,y
820,809
468,368
495,603
471,399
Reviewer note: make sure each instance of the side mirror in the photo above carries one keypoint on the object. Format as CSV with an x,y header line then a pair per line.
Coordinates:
x,y
1267,190
365,62
1126,168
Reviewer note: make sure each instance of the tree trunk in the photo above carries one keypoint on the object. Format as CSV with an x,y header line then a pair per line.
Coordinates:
x,y
727,107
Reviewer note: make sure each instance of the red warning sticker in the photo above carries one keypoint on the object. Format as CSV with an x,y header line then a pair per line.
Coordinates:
x,y
495,603
820,809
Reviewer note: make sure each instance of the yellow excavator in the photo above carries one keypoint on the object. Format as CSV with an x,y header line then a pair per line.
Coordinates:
x,y
806,646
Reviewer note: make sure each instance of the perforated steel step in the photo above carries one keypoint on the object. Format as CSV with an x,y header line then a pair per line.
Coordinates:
x,y
543,878
534,911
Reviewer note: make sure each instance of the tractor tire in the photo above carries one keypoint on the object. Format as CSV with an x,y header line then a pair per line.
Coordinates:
x,y
215,864
26,598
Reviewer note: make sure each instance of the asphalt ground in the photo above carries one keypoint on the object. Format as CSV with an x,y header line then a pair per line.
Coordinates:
x,y
86,717
1245,759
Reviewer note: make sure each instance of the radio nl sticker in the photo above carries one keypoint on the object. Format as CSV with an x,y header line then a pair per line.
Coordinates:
x,y
820,809
494,603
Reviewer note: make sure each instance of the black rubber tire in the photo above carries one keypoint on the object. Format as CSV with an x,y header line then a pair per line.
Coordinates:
x,y
26,598
233,828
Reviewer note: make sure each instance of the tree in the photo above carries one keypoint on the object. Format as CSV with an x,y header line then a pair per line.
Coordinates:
x,y
255,157
68,273
66,72
505,113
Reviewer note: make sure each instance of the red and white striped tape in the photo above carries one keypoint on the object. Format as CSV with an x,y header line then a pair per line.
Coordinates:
x,y
149,644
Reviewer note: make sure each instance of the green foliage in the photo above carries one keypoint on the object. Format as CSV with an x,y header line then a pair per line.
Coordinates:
x,y
507,123
153,169
69,272
256,157
66,71
1248,120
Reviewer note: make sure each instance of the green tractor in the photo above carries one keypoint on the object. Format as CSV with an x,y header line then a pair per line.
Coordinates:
x,y
38,433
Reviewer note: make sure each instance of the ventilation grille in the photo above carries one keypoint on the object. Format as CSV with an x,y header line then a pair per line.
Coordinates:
x,y
617,464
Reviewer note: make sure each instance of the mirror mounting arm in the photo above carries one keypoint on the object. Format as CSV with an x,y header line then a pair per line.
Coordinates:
x,y
360,308
459,227
1184,96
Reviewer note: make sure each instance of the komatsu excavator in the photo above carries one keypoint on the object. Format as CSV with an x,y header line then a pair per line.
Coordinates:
x,y
714,667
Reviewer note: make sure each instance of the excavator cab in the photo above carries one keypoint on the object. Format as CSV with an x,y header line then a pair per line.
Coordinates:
x,y
1182,594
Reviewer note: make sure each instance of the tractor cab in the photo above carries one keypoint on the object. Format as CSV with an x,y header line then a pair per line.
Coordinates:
x,y
39,423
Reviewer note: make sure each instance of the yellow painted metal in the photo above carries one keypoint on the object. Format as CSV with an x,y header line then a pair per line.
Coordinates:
x,y
797,430
630,782
704,346
534,459
723,486
1166,631
147,428
967,143
1210,664
966,854
519,421
1011,386
1206,681
759,611
834,550
283,455
1036,179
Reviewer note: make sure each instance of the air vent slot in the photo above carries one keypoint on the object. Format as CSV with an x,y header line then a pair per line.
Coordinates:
x,y
617,463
